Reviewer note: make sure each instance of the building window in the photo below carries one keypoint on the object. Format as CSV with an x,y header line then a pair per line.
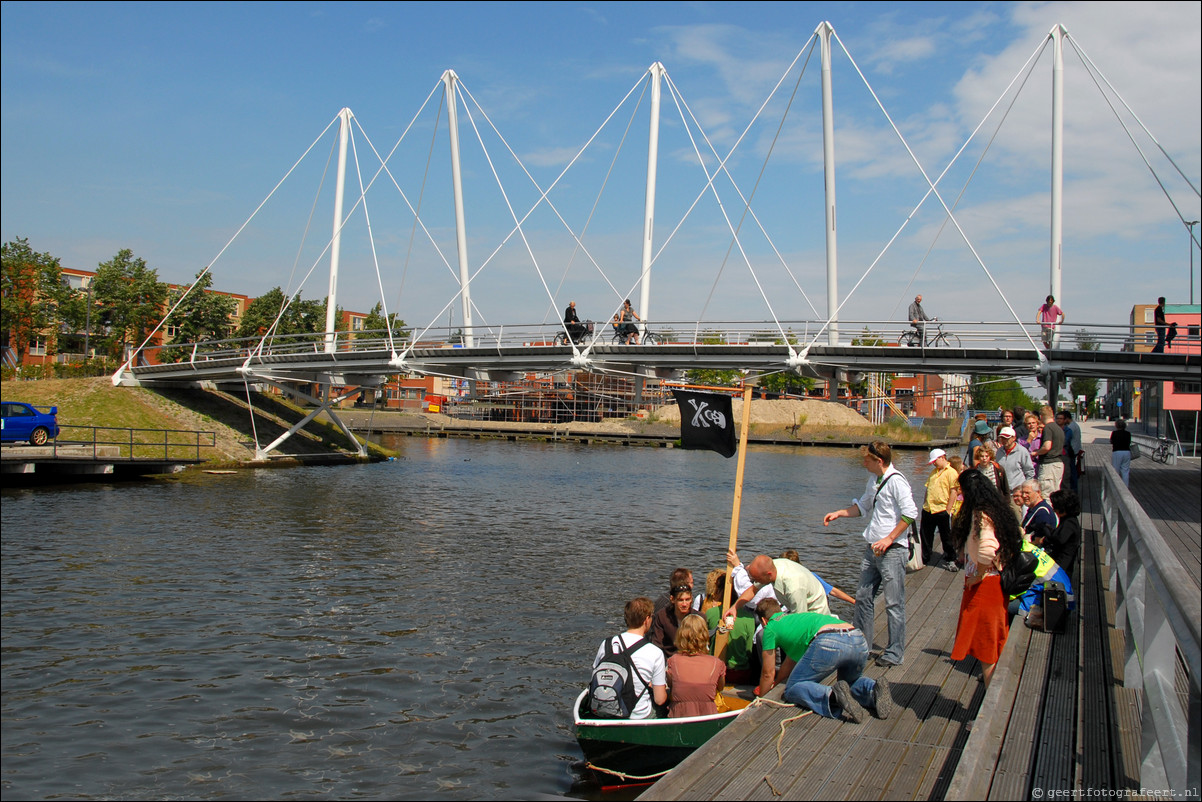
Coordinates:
x,y
1188,388
37,347
1148,315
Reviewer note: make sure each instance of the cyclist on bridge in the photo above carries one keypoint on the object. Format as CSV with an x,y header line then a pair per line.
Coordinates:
x,y
918,319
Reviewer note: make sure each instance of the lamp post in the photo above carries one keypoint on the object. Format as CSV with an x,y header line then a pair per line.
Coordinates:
x,y
1190,226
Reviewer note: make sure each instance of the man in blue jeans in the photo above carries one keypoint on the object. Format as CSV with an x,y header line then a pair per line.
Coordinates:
x,y
889,506
816,646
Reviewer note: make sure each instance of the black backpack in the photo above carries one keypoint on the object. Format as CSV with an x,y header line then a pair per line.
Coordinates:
x,y
611,689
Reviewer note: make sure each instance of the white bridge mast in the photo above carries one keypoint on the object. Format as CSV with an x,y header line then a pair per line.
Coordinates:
x,y
824,32
657,74
451,80
1058,33
344,127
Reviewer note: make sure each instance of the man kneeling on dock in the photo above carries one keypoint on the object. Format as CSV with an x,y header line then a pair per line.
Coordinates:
x,y
816,645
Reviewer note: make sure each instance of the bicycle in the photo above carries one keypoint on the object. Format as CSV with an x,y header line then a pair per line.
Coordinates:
x,y
1162,451
583,333
648,337
945,339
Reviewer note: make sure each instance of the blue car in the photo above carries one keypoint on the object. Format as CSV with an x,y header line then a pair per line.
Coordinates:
x,y
26,422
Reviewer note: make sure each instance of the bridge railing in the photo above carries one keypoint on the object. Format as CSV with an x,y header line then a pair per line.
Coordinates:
x,y
1157,604
955,334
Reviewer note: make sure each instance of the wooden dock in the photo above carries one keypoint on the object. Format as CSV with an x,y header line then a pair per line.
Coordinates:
x,y
1056,716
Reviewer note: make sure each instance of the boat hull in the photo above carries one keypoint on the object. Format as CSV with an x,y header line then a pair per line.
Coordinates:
x,y
643,747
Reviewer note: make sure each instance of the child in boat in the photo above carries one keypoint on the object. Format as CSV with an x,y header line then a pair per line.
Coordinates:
x,y
694,676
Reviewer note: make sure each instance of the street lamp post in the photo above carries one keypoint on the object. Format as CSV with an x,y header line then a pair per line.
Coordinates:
x,y
1191,225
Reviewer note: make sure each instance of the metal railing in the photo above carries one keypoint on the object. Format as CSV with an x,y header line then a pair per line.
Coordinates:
x,y
974,334
1158,606
115,443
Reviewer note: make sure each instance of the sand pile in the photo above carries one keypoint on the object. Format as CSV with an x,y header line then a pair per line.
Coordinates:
x,y
783,413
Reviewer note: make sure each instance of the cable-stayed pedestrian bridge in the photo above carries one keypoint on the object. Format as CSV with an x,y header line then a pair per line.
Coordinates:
x,y
365,359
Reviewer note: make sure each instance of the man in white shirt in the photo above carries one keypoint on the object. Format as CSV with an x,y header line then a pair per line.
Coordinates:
x,y
889,505
648,659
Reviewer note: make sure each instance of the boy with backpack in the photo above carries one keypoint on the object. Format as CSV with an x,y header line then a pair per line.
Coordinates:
x,y
629,671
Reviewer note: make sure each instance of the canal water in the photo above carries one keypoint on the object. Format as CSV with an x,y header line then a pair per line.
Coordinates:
x,y
416,629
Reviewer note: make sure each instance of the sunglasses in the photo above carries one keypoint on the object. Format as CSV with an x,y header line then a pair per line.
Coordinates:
x,y
682,589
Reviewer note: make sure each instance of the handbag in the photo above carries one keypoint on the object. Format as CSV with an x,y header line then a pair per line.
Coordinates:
x,y
914,562
1019,574
1135,452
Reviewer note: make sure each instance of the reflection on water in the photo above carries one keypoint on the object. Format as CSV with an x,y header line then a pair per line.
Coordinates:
x,y
410,629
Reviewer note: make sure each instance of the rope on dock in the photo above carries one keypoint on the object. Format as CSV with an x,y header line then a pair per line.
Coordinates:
x,y
779,738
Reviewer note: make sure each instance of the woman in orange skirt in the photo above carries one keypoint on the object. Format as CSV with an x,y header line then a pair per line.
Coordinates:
x,y
987,534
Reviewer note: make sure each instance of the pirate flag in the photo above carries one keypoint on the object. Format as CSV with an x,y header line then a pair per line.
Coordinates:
x,y
706,422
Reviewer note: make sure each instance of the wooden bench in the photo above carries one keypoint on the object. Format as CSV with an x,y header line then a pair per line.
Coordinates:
x,y
1056,716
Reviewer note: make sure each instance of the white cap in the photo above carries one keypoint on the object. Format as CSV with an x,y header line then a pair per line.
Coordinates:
x,y
1006,431
936,454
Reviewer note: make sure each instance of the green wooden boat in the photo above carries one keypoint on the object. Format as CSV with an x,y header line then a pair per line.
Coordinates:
x,y
643,748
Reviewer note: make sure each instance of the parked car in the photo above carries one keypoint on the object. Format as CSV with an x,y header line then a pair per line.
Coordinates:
x,y
20,421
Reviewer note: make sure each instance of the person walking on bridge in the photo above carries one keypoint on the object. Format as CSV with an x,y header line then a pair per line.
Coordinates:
x,y
1050,317
1162,327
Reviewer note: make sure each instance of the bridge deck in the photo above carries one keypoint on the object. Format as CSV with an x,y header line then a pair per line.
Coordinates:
x,y
1056,715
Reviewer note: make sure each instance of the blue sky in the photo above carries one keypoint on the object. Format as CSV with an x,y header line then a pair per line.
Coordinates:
x,y
161,127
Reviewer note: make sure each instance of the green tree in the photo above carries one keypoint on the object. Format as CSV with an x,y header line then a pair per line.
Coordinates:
x,y
35,296
301,317
787,382
992,391
375,322
202,315
130,299
1081,385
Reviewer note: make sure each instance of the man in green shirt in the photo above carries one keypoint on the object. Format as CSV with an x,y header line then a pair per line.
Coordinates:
x,y
816,646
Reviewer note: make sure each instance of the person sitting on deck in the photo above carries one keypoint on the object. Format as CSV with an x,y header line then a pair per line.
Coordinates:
x,y
1039,520
694,676
816,646
1031,602
1065,540
649,663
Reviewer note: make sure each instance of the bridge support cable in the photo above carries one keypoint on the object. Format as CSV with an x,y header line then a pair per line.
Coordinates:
x,y
543,196
932,190
681,103
1024,73
254,428
117,376
734,230
553,309
1094,74
371,240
